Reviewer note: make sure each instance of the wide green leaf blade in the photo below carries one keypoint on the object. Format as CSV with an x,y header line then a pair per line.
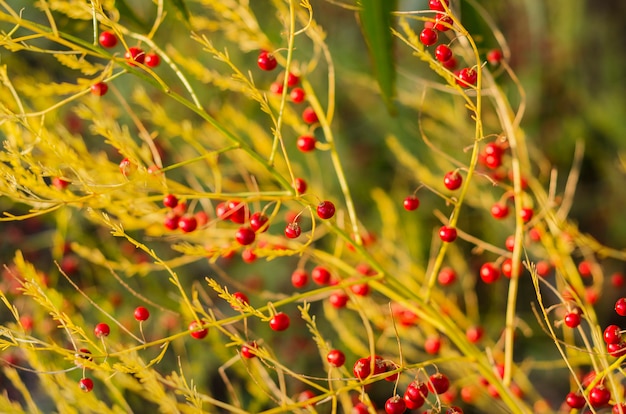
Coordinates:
x,y
375,17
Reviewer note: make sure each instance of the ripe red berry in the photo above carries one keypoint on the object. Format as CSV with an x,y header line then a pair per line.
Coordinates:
x,y
134,55
446,276
619,408
170,200
417,391
141,313
443,22
306,143
360,289
507,267
102,329
362,367
99,89
438,383
612,334
241,297
336,358
338,300
499,211
60,183
452,180
299,278
266,61
395,405
293,230
248,350
187,224
617,350
620,306
466,77
309,116
474,334
107,39
432,345
171,221
86,384
572,319
443,53
325,210
321,275
575,400
297,95
277,88
617,280
279,322
258,222
437,6
527,214
245,236
489,273
451,64
300,185
428,37
447,234
152,59
599,396
197,331
411,203
494,56
292,80
237,212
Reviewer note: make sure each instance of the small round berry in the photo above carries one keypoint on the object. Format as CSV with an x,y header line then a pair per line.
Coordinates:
x,y
447,234
171,221
241,298
277,88
309,116
446,276
335,358
360,289
248,350
86,384
187,224
575,400
454,410
443,53
474,334
617,350
299,278
620,306
297,95
599,396
267,61
443,22
417,391
197,331
107,39
245,236
279,322
395,405
527,214
489,273
59,183
338,300
141,313
466,77
292,80
509,243
237,211
451,64
428,37
617,280
411,203
612,334
438,383
361,368
102,329
170,201
293,230
453,180
437,6
572,319
300,185
584,268
134,55
507,267
152,59
499,211
258,222
321,275
494,56
99,89
412,404
248,256
325,210
432,345
306,143
619,408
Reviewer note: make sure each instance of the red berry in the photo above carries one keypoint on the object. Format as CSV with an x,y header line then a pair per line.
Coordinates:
x,y
134,55
277,88
454,410
248,256
617,280
107,39
241,297
60,183
527,214
237,212
494,56
474,334
338,299
171,221
411,203
443,53
443,22
432,345
543,268
616,350
325,210
197,331
309,116
360,289
412,404
466,77
300,185
619,408
245,236
102,329
584,268
599,396
306,143
279,322
360,408
438,383
248,350
258,222
321,275
437,6
446,276
620,306
428,37
297,95
612,334
152,59
266,61
417,391
141,313
452,180
499,211
447,234
489,273
170,200
187,224
395,405
293,230
86,384
507,267
126,167
572,319
509,243
493,148
336,358
292,80
299,278
451,63
99,89
362,367
575,400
